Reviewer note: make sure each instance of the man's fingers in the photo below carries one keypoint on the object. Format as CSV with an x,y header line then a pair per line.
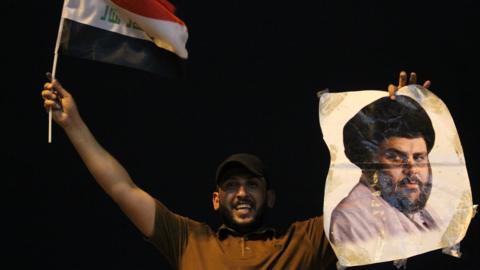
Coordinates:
x,y
47,86
413,78
53,94
48,104
402,81
47,94
51,104
391,91
427,84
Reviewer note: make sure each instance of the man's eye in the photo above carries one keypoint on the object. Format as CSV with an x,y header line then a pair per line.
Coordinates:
x,y
420,158
229,185
394,157
253,184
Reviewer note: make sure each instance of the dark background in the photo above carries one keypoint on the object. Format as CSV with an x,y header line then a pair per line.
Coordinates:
x,y
252,76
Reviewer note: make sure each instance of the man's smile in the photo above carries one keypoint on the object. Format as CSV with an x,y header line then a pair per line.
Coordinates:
x,y
243,208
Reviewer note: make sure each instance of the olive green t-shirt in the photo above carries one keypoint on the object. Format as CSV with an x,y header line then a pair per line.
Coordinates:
x,y
188,244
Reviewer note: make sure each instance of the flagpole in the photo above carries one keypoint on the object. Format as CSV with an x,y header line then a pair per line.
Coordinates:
x,y
54,69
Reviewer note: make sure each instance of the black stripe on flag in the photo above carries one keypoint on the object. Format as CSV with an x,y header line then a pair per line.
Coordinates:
x,y
84,41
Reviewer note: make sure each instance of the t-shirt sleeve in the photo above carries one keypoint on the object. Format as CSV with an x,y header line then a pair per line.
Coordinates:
x,y
170,233
316,234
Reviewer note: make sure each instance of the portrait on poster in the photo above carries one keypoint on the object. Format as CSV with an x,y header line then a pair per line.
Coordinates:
x,y
397,184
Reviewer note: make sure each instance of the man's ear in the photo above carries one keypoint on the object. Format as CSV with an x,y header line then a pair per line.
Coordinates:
x,y
216,200
271,197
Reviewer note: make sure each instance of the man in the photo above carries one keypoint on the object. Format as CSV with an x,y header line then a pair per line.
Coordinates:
x,y
389,140
242,197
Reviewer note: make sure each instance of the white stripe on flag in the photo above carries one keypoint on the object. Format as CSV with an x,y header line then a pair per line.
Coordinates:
x,y
105,15
166,34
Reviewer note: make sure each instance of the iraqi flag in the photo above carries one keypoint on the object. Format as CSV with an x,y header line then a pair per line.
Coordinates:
x,y
142,34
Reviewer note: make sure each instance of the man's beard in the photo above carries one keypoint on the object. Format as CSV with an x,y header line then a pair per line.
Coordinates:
x,y
397,194
228,220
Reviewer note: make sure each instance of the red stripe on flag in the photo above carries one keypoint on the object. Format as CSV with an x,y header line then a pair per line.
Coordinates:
x,y
168,5
156,9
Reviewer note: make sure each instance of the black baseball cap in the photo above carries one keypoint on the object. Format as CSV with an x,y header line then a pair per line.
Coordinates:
x,y
247,161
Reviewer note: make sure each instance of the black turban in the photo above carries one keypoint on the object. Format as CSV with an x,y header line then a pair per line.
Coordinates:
x,y
380,120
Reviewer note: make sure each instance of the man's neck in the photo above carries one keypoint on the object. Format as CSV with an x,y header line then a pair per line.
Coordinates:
x,y
224,231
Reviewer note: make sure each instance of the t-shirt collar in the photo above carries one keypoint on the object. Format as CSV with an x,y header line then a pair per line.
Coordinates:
x,y
223,231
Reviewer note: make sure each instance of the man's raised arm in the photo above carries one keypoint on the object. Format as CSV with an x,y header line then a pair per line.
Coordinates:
x,y
138,205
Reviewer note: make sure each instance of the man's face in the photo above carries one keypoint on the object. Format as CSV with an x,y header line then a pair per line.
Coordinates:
x,y
241,199
405,174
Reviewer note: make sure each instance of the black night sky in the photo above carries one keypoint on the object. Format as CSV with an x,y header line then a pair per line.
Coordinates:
x,y
251,82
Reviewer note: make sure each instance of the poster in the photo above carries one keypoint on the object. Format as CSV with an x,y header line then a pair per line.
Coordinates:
x,y
397,185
